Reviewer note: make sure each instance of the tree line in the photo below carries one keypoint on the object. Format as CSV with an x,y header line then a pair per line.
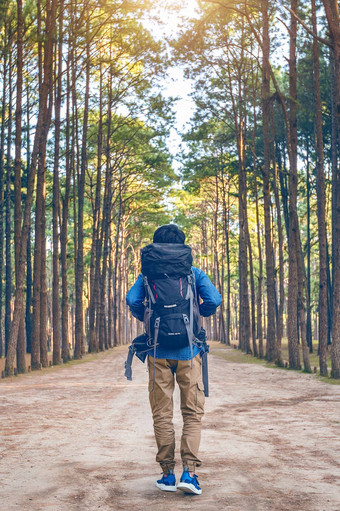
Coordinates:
x,y
263,148
86,175
83,166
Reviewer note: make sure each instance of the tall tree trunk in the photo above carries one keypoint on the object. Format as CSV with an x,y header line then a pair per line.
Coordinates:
x,y
271,341
29,280
238,118
252,295
228,312
35,353
222,325
109,293
65,348
2,161
39,356
334,160
309,319
103,278
333,19
79,276
293,346
41,130
219,335
8,290
43,276
244,319
102,327
226,213
55,287
115,266
21,345
96,247
259,330
35,348
279,326
321,204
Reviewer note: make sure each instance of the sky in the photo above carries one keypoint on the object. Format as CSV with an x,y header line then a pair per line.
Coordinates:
x,y
176,85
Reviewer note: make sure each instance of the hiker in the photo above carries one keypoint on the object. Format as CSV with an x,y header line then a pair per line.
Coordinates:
x,y
160,297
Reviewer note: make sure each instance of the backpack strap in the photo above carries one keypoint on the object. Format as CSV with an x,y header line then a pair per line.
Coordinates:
x,y
151,300
205,379
190,323
189,333
128,363
155,338
148,289
141,347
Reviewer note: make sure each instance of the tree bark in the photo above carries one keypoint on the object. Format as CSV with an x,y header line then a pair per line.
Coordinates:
x,y
279,326
79,276
29,283
293,346
252,295
56,198
321,204
41,130
226,214
2,165
21,345
219,333
8,290
65,348
333,19
309,319
96,247
260,277
115,267
271,341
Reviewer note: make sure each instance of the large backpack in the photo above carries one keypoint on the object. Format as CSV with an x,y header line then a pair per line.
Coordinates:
x,y
172,316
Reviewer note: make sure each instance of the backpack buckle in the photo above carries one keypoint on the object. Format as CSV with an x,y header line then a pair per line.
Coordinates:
x,y
157,322
186,319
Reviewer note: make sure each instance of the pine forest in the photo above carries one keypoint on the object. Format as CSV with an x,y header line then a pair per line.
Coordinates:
x,y
89,168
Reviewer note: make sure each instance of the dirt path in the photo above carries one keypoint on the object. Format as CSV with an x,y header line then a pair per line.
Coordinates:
x,y
80,438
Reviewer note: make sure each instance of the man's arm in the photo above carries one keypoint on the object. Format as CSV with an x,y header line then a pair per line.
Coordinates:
x,y
135,299
208,293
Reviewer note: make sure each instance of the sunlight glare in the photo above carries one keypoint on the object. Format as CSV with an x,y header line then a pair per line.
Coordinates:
x,y
171,16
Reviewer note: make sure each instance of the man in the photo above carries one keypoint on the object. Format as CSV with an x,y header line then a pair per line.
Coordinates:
x,y
184,362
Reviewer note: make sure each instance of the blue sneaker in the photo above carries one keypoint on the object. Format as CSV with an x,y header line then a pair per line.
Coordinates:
x,y
168,482
189,484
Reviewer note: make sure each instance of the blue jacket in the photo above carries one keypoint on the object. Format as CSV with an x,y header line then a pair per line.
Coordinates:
x,y
209,295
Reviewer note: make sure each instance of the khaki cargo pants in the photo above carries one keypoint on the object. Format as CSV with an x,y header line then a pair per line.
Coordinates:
x,y
161,390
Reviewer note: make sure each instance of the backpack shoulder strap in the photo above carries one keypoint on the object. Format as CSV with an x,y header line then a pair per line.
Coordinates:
x,y
148,289
189,322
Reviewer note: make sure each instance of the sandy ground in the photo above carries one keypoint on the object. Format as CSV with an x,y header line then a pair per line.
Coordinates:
x,y
80,438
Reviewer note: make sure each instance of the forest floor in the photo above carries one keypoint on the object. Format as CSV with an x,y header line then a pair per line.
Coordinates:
x,y
80,438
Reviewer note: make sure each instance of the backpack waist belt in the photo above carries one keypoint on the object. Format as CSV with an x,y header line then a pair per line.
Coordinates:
x,y
142,352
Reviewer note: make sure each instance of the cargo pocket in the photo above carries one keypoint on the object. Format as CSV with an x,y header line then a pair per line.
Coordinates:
x,y
200,399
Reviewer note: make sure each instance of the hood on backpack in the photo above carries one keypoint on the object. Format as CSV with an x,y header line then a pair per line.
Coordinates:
x,y
172,259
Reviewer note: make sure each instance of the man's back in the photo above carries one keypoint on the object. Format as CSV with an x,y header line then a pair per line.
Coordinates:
x,y
170,295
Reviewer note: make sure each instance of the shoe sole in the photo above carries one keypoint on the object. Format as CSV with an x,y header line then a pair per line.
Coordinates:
x,y
188,488
165,487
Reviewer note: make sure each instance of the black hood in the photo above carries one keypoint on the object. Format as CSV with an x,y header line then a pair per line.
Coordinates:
x,y
173,259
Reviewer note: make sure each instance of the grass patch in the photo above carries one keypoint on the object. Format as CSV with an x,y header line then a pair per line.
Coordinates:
x,y
87,357
239,357
332,381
